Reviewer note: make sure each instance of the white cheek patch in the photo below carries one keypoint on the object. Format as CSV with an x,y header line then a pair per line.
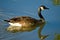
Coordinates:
x,y
42,8
15,24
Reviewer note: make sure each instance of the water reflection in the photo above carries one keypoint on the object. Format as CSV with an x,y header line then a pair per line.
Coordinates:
x,y
42,37
15,29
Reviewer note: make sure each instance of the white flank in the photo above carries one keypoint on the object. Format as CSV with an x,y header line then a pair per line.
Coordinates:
x,y
15,24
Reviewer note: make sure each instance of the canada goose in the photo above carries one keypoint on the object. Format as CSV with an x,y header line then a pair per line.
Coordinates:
x,y
26,21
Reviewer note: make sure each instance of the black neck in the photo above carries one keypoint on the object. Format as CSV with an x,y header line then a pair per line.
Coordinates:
x,y
40,15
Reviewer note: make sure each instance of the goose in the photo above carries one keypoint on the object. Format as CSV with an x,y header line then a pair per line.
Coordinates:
x,y
26,21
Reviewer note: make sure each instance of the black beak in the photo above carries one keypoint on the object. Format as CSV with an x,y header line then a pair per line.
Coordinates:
x,y
46,8
7,20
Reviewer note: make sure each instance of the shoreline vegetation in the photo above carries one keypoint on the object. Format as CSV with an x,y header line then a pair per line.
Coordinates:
x,y
56,2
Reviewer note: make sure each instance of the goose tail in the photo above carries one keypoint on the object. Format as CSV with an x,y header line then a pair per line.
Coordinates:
x,y
7,20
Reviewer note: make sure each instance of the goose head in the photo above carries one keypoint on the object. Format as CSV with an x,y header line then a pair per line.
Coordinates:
x,y
42,7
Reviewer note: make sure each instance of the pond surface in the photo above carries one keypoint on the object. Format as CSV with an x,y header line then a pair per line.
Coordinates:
x,y
12,8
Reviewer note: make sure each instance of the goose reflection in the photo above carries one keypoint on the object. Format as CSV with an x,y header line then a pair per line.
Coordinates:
x,y
15,29
21,29
42,37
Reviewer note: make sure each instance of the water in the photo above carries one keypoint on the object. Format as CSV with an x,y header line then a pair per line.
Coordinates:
x,y
12,8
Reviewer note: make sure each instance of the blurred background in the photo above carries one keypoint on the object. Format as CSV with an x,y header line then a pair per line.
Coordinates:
x,y
12,8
